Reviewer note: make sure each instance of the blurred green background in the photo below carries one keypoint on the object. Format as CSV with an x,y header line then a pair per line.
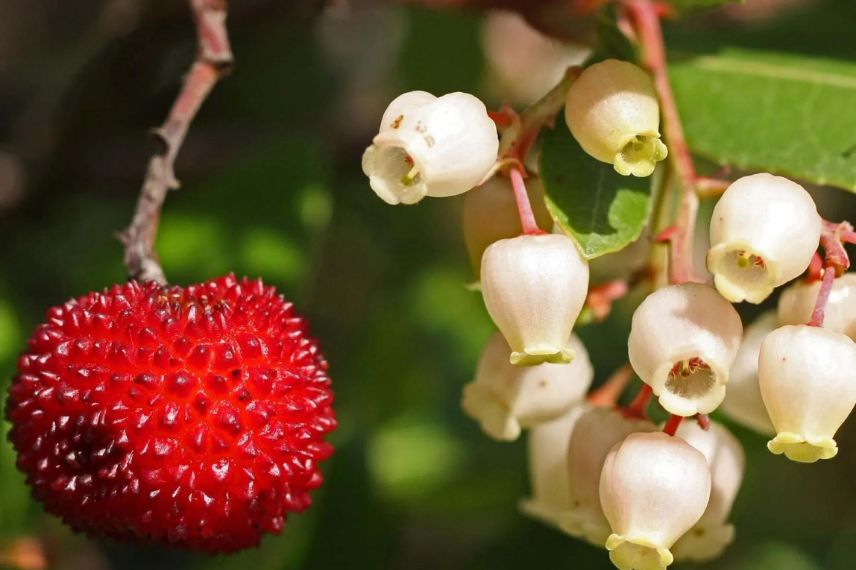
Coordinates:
x,y
273,188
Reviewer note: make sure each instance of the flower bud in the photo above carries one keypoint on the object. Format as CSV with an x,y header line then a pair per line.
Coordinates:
x,y
682,342
490,214
797,303
595,433
807,382
653,489
430,146
548,473
534,288
523,70
505,399
743,402
612,111
712,533
763,233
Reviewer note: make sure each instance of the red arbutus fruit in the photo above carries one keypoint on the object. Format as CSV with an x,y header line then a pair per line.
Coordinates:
x,y
193,416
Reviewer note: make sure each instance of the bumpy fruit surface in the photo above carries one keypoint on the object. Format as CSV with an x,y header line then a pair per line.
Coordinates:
x,y
191,416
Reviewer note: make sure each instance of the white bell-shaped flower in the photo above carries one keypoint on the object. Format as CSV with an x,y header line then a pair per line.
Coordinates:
x,y
653,489
763,233
808,382
727,461
597,430
430,146
548,473
490,214
612,111
743,402
505,399
534,287
682,343
523,70
797,303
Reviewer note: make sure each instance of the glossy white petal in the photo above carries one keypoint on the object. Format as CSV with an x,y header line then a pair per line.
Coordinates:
x,y
713,533
430,146
763,233
612,111
505,399
682,343
548,472
808,382
797,303
596,432
490,214
534,287
653,489
743,402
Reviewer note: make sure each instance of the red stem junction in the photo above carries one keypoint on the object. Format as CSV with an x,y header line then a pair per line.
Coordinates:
x,y
835,262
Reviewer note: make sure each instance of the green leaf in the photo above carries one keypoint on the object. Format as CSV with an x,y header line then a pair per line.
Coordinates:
x,y
785,114
603,210
696,4
611,41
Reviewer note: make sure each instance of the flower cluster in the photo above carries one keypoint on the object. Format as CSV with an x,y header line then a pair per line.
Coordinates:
x,y
607,474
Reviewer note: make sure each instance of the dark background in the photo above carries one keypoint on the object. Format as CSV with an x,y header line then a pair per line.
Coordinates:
x,y
273,188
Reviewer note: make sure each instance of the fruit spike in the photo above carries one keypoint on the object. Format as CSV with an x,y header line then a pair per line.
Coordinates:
x,y
190,416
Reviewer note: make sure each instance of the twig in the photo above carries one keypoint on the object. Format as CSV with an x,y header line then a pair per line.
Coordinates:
x,y
646,20
213,60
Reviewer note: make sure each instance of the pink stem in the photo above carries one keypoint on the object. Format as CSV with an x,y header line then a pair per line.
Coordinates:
x,y
607,394
815,268
638,408
819,312
646,20
672,424
524,208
